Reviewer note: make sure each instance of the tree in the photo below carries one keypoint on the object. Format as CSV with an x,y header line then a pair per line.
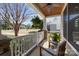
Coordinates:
x,y
5,25
15,14
37,23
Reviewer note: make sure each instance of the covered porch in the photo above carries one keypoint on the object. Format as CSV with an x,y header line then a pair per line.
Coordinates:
x,y
40,40
52,10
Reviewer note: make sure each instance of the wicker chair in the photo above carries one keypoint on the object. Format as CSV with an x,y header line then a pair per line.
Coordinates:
x,y
61,48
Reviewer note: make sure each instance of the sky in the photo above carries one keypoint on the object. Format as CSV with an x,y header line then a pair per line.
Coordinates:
x,y
30,18
34,13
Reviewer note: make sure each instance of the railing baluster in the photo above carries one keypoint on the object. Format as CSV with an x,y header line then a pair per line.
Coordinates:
x,y
40,51
18,47
21,46
11,48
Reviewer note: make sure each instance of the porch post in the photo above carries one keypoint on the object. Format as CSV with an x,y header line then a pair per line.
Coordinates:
x,y
61,30
62,20
45,28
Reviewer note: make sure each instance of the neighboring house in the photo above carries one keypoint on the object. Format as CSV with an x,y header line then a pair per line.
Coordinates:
x,y
53,23
53,28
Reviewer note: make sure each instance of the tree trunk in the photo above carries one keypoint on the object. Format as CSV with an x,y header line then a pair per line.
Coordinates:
x,y
16,30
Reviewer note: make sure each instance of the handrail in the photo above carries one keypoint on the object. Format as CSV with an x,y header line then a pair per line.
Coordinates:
x,y
30,51
45,50
33,48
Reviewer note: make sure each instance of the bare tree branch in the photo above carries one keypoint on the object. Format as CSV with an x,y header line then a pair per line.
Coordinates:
x,y
14,14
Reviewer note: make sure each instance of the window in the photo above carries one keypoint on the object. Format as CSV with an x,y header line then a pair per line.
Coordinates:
x,y
76,23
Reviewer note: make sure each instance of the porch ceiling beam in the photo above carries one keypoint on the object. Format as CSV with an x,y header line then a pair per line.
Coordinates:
x,y
36,9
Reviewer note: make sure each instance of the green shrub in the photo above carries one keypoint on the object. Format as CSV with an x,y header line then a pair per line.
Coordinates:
x,y
55,36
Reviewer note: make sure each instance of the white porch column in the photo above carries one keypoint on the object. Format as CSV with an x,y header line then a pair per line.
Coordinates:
x,y
42,15
44,24
62,20
45,28
61,25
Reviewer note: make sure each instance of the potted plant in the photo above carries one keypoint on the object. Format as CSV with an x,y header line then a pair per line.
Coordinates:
x,y
55,37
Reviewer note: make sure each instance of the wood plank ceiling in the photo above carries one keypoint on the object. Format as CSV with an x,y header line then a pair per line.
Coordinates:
x,y
50,9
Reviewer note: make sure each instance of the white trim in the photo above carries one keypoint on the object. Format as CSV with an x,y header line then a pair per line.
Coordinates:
x,y
53,16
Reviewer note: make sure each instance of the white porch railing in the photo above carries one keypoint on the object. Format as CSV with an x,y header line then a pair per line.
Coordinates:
x,y
22,44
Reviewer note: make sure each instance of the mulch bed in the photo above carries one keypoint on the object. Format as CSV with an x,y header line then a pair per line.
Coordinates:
x,y
4,46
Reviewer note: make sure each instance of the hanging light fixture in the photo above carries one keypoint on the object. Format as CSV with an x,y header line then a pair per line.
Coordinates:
x,y
49,5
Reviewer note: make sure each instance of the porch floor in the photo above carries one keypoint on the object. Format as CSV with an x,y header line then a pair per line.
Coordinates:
x,y
68,52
